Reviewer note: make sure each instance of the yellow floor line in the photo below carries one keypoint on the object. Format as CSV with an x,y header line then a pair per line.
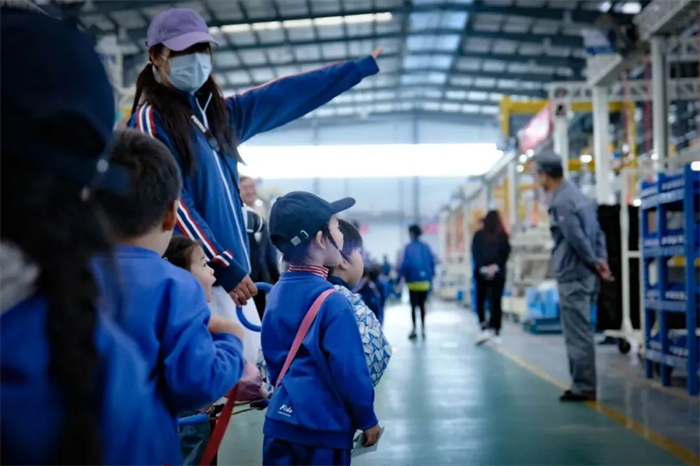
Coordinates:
x,y
676,449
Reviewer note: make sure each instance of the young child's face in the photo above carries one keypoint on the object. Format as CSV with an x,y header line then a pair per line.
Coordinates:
x,y
202,272
356,267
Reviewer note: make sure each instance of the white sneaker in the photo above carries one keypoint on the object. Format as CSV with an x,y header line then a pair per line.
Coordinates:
x,y
497,340
483,337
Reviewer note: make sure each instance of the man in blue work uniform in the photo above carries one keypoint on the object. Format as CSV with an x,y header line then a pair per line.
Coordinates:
x,y
579,259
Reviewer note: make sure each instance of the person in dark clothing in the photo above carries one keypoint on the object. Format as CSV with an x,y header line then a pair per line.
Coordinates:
x,y
371,292
263,256
490,251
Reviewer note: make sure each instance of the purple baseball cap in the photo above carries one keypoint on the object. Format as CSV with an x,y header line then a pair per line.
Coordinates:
x,y
178,29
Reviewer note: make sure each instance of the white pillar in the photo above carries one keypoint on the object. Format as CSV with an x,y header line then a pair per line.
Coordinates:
x,y
601,143
561,139
659,96
488,187
513,194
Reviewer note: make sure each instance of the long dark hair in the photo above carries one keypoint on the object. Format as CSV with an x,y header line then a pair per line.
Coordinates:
x,y
175,111
492,223
46,218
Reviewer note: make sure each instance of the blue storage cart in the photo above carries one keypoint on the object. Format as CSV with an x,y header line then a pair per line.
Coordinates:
x,y
543,311
669,226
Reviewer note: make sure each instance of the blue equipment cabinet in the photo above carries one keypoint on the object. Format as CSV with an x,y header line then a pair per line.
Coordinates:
x,y
669,226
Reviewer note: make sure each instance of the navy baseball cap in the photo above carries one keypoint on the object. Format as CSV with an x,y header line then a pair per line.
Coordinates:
x,y
178,29
298,216
58,107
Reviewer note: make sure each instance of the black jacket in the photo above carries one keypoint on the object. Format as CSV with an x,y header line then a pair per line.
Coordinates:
x,y
263,258
488,248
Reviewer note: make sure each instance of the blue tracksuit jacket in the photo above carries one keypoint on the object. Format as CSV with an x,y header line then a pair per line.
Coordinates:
x,y
134,425
210,208
327,393
163,308
418,263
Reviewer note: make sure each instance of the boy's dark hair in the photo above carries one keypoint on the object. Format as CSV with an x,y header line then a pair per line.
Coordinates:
x,y
179,252
415,231
155,184
352,239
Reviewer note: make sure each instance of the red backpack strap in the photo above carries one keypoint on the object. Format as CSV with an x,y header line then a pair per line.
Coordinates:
x,y
217,434
301,334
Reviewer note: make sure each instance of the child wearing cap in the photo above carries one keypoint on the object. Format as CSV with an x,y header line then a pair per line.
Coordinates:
x,y
347,275
327,393
195,359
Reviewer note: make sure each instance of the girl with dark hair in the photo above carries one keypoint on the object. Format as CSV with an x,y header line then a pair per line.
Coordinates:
x,y
74,389
178,102
490,251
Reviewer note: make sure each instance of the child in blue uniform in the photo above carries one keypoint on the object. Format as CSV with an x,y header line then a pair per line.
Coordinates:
x,y
195,359
327,394
189,255
346,276
74,389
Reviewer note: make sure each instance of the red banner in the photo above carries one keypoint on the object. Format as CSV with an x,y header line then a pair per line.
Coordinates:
x,y
537,130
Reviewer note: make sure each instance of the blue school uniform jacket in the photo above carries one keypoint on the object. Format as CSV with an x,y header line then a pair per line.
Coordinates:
x,y
418,263
327,393
210,208
134,424
163,308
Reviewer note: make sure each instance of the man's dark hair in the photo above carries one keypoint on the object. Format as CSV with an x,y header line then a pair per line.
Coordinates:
x,y
550,164
154,186
415,231
554,171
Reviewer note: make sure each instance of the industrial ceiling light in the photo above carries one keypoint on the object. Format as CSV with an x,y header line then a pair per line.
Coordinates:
x,y
301,23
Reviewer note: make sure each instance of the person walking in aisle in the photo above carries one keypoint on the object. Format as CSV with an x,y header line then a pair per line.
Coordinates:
x,y
490,251
178,102
579,259
264,265
418,269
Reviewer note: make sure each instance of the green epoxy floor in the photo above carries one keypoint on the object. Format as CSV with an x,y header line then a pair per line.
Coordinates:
x,y
445,402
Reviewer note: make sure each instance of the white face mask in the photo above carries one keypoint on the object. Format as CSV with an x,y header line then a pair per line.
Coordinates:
x,y
189,72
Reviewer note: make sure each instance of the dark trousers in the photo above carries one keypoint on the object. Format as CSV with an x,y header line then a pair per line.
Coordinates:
x,y
260,300
493,291
278,452
418,299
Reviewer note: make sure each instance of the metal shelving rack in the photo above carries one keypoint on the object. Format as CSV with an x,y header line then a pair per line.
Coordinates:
x,y
679,192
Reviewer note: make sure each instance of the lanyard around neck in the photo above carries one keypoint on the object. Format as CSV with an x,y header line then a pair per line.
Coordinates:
x,y
214,144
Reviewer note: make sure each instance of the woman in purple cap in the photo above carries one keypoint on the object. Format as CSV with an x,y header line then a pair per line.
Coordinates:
x,y
178,102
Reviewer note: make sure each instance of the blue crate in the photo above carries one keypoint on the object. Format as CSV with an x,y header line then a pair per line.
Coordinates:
x,y
542,304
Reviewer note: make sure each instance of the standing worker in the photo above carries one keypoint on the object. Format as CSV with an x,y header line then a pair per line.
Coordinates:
x,y
178,101
264,266
579,258
418,269
490,250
